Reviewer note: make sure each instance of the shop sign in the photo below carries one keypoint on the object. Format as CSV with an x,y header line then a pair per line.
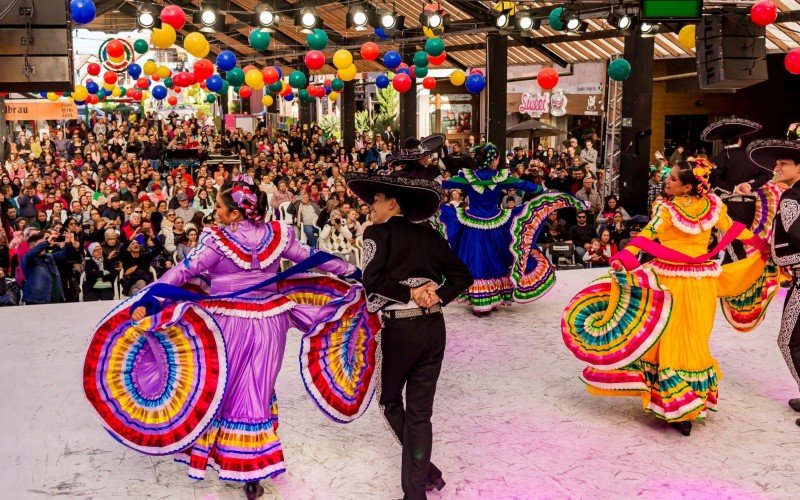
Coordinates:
x,y
40,110
558,104
535,104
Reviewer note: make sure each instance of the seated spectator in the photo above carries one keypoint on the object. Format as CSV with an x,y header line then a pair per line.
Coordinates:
x,y
618,229
589,195
335,238
581,234
99,281
136,256
596,255
305,213
511,195
607,244
186,245
184,210
610,207
9,291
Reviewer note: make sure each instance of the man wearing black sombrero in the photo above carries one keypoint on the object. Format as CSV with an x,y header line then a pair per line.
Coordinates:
x,y
735,178
784,156
414,157
410,273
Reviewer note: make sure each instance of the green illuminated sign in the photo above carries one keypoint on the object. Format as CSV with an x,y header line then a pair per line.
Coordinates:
x,y
672,9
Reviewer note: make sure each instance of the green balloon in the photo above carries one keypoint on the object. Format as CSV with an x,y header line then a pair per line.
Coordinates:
x,y
122,91
225,87
276,87
304,95
555,19
421,59
421,71
168,82
236,88
141,46
211,98
434,46
619,69
235,77
298,80
259,39
337,84
317,40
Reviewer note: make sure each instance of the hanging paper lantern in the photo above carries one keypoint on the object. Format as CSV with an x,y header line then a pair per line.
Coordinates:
x,y
619,69
555,19
173,16
434,46
267,100
437,60
392,59
114,48
259,39
458,78
226,60
421,58
763,13
370,51
235,77
141,46
196,44
164,72
150,67
214,83
110,77
429,82
204,69
270,74
92,87
382,81
317,39
298,80
686,36
401,82
163,37
314,60
342,59
160,92
245,91
93,69
253,79
337,84
792,61
172,100
82,11
80,93
547,78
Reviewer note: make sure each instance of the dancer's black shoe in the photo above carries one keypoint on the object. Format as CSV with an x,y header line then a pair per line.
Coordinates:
x,y
684,427
253,490
794,404
437,485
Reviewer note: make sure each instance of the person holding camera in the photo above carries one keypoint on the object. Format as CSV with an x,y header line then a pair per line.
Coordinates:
x,y
40,266
137,255
335,238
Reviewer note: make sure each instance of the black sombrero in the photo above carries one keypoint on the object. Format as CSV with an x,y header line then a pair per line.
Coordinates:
x,y
766,151
729,128
414,149
419,198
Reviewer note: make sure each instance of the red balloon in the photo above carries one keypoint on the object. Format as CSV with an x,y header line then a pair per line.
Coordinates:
x,y
203,68
182,79
110,77
547,78
248,68
327,82
135,94
172,100
401,82
370,51
245,91
93,69
792,62
475,71
401,66
114,48
174,16
437,60
413,70
177,89
429,82
143,83
319,91
315,60
155,77
763,13
286,90
202,84
270,75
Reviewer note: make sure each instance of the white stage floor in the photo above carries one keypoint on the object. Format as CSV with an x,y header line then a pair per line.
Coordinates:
x,y
512,420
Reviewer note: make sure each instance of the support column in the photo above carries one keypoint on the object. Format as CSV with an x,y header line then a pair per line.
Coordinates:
x,y
408,104
305,107
3,138
496,90
348,114
637,107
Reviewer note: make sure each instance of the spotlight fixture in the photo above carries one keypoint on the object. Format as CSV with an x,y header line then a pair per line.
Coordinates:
x,y
361,16
307,19
209,18
387,19
502,15
571,20
620,20
265,17
145,16
525,21
649,29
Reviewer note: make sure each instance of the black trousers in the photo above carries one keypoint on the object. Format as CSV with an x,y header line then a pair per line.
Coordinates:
x,y
789,336
744,212
412,351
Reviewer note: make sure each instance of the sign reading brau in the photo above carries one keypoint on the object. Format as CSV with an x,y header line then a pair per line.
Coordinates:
x,y
40,110
539,104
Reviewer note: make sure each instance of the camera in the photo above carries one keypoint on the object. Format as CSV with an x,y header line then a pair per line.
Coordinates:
x,y
336,221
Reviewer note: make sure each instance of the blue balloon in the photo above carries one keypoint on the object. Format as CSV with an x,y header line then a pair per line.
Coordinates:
x,y
404,70
214,83
226,60
328,89
42,94
160,92
380,33
382,81
280,72
82,11
289,97
134,70
92,87
475,83
392,59
80,103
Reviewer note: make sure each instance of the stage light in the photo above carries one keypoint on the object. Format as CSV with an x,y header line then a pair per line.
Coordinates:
x,y
265,17
145,16
431,19
571,20
620,20
649,29
360,16
308,20
209,18
524,20
387,18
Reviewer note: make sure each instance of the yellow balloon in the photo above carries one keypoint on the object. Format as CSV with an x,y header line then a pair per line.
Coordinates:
x,y
267,100
458,77
342,59
52,96
109,86
116,59
163,37
150,67
196,44
145,95
333,96
254,79
687,35
116,92
80,93
348,73
163,72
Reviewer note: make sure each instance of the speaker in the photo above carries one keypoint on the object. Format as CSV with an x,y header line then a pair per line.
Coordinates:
x,y
731,51
36,47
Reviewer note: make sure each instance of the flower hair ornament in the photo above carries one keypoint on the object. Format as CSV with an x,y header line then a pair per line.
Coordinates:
x,y
702,172
246,199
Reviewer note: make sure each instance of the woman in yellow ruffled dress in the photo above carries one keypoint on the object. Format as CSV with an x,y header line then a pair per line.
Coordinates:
x,y
645,332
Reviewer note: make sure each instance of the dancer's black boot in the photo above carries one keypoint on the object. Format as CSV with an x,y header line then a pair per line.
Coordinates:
x,y
437,485
684,427
794,404
253,490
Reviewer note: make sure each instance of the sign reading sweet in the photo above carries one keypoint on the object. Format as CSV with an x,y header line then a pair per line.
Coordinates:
x,y
535,104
